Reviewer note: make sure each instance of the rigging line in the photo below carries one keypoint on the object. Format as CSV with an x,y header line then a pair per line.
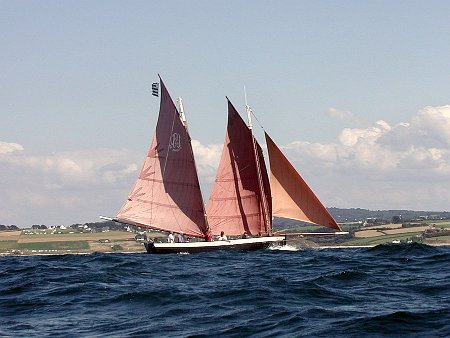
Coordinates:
x,y
250,111
262,191
259,123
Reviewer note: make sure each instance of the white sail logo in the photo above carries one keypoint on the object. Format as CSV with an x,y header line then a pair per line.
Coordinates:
x,y
175,142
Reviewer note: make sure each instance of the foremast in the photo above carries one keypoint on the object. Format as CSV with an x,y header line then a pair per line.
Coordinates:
x,y
207,232
166,195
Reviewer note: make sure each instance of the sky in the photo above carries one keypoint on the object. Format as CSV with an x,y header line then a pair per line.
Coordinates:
x,y
356,94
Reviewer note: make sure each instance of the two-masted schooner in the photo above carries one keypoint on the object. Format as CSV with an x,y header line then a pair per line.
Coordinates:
x,y
167,195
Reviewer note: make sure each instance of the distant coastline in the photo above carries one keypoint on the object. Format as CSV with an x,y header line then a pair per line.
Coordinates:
x,y
52,242
365,229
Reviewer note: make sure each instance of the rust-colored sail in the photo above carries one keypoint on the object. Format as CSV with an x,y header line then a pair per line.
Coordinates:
x,y
167,195
240,197
291,195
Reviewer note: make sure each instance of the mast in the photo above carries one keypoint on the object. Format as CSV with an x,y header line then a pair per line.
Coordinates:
x,y
249,111
166,195
184,121
264,202
235,204
181,109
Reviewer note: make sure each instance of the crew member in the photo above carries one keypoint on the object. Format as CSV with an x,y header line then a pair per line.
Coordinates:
x,y
222,237
170,238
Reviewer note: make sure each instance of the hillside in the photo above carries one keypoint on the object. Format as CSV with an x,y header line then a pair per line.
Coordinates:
x,y
341,216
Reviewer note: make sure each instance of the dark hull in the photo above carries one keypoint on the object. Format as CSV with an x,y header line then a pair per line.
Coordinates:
x,y
232,245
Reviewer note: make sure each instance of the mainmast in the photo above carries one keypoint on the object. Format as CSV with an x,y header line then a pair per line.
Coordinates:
x,y
264,202
249,111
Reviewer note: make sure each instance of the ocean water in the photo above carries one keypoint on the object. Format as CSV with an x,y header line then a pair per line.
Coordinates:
x,y
389,290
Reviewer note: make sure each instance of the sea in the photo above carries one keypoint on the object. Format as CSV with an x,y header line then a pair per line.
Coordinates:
x,y
387,290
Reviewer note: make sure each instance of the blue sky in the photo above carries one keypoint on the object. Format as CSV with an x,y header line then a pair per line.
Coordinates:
x,y
77,115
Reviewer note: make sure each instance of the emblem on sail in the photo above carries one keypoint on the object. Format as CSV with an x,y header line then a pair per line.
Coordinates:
x,y
175,142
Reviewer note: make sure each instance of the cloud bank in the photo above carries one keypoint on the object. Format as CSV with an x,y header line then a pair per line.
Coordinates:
x,y
380,166
6,147
62,188
406,165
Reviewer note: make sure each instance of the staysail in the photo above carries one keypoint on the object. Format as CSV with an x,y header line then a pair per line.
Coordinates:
x,y
240,197
291,195
166,195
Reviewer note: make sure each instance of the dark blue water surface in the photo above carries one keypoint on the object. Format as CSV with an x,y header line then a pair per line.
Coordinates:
x,y
382,291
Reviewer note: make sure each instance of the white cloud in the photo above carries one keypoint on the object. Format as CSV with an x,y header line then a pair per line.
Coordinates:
x,y
6,147
92,166
64,187
207,159
340,114
434,122
70,187
351,137
383,166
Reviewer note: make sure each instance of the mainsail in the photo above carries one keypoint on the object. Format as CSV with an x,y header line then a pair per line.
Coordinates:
x,y
291,195
240,198
166,195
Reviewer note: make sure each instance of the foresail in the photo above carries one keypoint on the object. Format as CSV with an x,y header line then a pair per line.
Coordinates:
x,y
236,203
291,195
167,195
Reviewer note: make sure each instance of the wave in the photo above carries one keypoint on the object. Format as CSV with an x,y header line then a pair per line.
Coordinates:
x,y
286,247
403,248
283,291
402,322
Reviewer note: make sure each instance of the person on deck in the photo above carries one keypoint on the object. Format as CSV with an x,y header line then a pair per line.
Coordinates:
x,y
170,238
180,238
245,235
222,237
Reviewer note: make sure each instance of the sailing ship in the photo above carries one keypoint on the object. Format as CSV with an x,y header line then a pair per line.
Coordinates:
x,y
167,196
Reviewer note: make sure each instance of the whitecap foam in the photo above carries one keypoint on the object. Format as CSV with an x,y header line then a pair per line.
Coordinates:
x,y
286,247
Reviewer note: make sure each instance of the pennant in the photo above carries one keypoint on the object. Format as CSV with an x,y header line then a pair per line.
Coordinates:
x,y
155,88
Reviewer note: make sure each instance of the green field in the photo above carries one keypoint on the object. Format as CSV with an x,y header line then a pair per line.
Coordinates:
x,y
308,228
440,239
350,226
8,245
50,231
46,246
437,221
75,245
382,239
315,228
